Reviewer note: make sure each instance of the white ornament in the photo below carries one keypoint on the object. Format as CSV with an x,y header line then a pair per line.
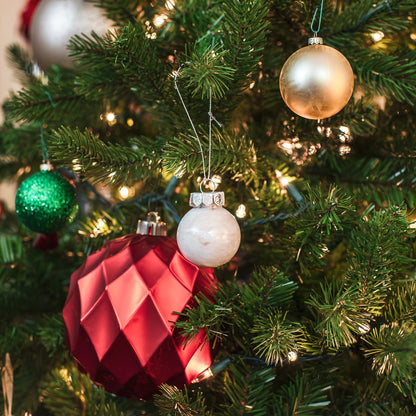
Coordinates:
x,y
208,235
53,24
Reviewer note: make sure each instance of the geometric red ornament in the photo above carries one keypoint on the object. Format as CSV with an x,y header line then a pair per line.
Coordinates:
x,y
119,316
26,16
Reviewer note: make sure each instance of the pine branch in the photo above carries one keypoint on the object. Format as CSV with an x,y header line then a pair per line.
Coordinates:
x,y
103,162
392,349
326,217
11,249
275,336
50,102
365,16
120,11
66,392
206,72
244,35
248,391
127,61
339,318
231,155
174,402
379,251
304,396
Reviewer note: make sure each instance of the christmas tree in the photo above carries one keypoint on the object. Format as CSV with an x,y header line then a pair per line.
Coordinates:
x,y
315,313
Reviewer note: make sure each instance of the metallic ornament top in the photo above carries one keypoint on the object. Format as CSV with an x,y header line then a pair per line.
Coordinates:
x,y
206,199
152,227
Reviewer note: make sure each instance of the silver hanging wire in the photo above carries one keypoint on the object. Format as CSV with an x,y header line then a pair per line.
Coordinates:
x,y
206,172
315,31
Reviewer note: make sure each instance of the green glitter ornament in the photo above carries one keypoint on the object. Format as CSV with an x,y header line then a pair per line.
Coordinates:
x,y
46,202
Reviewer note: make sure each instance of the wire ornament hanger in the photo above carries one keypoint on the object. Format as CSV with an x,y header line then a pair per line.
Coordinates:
x,y
206,170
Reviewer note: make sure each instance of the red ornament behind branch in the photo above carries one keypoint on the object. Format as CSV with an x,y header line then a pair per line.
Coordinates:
x,y
119,316
26,17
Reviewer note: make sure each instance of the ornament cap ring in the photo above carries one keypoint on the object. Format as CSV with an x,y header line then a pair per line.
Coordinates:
x,y
206,182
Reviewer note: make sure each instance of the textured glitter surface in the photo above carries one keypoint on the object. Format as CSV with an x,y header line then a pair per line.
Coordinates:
x,y
46,202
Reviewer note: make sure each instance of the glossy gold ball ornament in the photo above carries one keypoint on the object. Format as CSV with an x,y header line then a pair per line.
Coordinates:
x,y
316,81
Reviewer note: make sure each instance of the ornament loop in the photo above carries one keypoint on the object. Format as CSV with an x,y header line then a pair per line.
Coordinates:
x,y
206,182
315,31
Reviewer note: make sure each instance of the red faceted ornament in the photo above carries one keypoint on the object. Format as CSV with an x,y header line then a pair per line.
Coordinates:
x,y
26,16
119,316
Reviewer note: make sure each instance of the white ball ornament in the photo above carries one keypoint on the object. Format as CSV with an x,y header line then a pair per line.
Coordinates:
x,y
55,22
316,81
208,235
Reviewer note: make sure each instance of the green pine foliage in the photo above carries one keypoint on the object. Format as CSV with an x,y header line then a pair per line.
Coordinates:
x,y
316,313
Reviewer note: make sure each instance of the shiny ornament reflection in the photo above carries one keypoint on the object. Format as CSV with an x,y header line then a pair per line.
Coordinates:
x,y
316,82
53,24
208,236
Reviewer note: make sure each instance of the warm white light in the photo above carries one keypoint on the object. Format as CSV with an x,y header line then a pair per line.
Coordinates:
x,y
76,166
125,192
364,328
130,122
203,376
283,181
241,211
345,129
159,20
344,150
377,36
292,356
170,4
110,117
413,36
99,228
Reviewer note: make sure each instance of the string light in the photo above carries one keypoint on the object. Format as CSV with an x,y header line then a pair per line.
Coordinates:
x,y
203,376
241,211
377,36
100,227
292,356
170,4
130,122
159,20
126,192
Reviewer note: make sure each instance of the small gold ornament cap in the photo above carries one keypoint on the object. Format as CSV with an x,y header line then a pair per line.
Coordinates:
x,y
316,40
152,225
206,199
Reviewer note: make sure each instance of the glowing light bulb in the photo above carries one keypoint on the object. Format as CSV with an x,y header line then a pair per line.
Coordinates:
x,y
292,356
110,117
126,192
241,211
170,4
377,36
159,20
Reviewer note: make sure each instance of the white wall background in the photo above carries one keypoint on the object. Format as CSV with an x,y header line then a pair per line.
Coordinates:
x,y
9,33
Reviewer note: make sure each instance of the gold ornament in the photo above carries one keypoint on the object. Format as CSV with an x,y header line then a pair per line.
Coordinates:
x,y
316,81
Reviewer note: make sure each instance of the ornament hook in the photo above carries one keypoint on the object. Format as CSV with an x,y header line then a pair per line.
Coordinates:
x,y
315,31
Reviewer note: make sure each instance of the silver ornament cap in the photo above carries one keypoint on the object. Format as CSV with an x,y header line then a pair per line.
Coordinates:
x,y
206,199
152,225
316,40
